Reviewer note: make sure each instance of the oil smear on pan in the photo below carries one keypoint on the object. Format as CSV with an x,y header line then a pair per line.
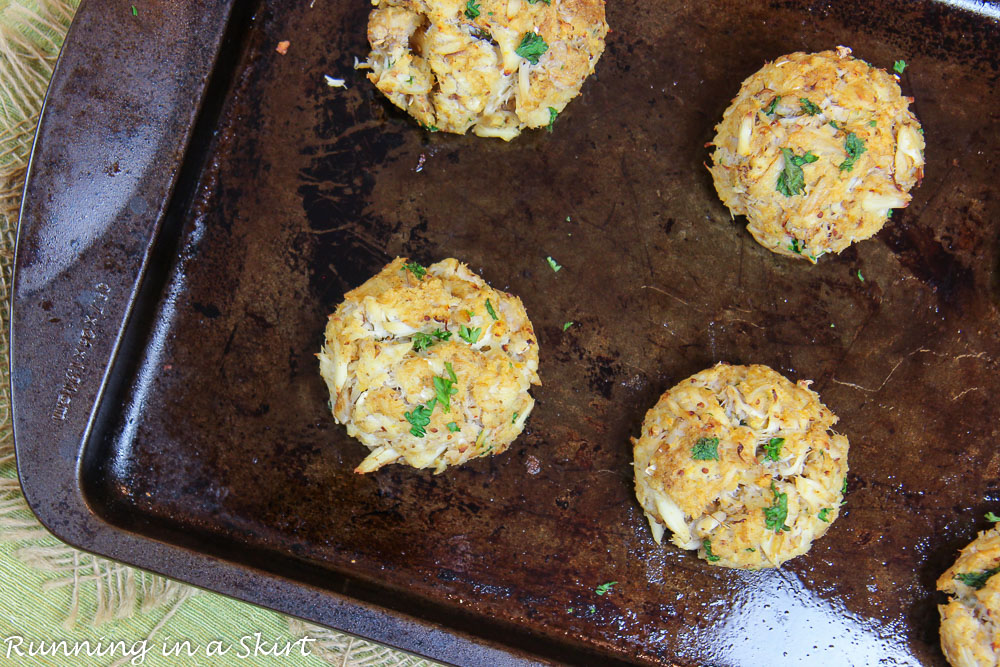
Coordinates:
x,y
773,619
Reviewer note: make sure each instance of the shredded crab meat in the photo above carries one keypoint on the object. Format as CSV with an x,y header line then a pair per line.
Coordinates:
x,y
392,342
704,468
841,194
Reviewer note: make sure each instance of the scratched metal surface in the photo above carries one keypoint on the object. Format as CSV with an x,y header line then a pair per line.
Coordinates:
x,y
224,444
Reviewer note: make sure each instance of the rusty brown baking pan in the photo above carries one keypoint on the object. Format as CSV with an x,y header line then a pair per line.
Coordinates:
x,y
198,203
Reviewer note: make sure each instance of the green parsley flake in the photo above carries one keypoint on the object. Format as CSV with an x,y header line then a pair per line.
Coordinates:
x,y
990,516
899,66
482,34
709,556
769,111
706,449
976,580
604,588
489,309
470,336
873,123
531,47
776,514
795,247
791,180
453,427
567,325
808,107
419,419
444,388
772,450
552,118
591,609
555,266
854,147
751,549
860,277
422,341
513,420
532,2
833,124
418,271
135,12
472,9
824,514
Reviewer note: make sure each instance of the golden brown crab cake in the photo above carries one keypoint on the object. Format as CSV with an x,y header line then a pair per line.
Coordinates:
x,y
740,464
429,366
816,151
970,622
492,66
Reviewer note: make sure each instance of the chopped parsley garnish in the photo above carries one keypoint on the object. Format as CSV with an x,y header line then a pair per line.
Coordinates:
x,y
470,336
899,66
552,118
772,449
489,309
860,277
472,9
444,388
135,12
873,123
824,514
795,247
990,516
567,325
555,265
418,271
769,111
709,556
843,487
854,147
706,449
532,2
808,107
419,419
977,579
482,34
833,124
751,549
513,419
591,609
422,341
531,47
791,180
453,427
604,588
776,514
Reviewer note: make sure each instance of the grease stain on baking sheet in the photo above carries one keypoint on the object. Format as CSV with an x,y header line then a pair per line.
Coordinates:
x,y
773,619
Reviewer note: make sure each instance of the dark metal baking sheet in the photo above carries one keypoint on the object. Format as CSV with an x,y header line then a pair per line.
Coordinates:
x,y
198,203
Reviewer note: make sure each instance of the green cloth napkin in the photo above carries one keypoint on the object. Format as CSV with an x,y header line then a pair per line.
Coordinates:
x,y
59,606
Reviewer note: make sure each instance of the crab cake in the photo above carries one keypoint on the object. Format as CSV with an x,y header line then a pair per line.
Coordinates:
x,y
429,366
740,464
970,622
492,66
816,151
